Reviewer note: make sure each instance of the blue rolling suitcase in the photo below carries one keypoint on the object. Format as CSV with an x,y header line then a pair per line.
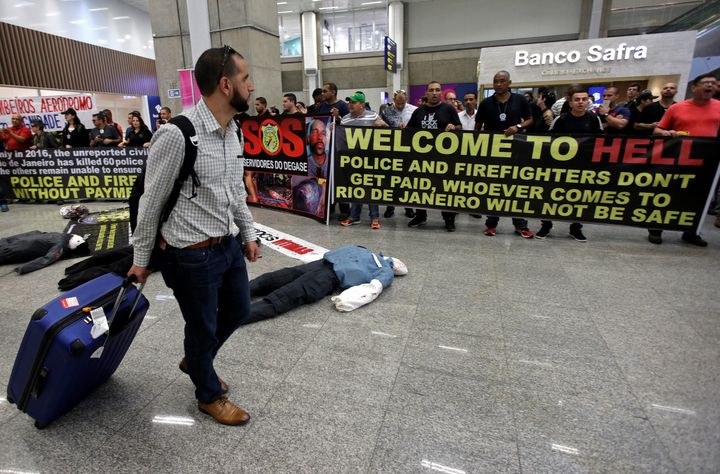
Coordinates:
x,y
67,351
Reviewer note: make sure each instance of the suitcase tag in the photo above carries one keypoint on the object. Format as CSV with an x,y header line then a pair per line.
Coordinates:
x,y
100,323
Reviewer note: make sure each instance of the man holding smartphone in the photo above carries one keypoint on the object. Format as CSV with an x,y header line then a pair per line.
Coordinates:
x,y
613,115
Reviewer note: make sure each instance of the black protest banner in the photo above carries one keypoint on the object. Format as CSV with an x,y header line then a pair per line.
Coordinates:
x,y
72,173
659,183
287,162
275,144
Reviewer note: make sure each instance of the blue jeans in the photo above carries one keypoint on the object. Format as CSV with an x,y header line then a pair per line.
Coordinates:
x,y
211,288
356,210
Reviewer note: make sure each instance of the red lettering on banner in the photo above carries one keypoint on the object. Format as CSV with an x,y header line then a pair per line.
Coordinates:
x,y
16,106
612,150
636,151
253,144
291,144
59,104
292,246
294,145
684,159
657,158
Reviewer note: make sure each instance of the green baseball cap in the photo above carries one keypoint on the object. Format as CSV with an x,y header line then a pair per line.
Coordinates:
x,y
356,97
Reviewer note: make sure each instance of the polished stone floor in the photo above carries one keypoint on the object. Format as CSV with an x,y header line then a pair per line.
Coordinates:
x,y
493,355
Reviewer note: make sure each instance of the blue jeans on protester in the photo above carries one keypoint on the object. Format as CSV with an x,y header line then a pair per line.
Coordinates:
x,y
211,287
356,211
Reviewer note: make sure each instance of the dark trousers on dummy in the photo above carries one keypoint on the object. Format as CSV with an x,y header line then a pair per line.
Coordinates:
x,y
286,289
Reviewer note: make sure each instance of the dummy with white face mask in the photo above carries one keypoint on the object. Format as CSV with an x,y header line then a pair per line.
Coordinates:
x,y
40,249
361,273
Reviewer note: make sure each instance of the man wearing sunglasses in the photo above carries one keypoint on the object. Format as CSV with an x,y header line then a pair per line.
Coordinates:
x,y
199,257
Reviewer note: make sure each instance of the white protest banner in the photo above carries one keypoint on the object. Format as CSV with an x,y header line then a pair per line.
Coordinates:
x,y
48,109
288,244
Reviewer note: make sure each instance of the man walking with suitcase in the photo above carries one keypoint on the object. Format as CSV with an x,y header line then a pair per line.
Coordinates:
x,y
199,257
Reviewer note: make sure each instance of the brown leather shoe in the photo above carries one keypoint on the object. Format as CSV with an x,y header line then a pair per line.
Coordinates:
x,y
224,411
224,388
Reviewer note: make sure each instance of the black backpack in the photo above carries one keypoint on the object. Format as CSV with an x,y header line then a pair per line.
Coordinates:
x,y
187,170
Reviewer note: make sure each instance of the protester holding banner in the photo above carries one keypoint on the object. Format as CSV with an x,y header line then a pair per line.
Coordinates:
x,y
109,118
434,115
397,115
18,137
41,138
317,96
74,134
650,116
289,104
359,116
330,103
505,112
577,121
696,117
614,115
138,134
15,138
103,135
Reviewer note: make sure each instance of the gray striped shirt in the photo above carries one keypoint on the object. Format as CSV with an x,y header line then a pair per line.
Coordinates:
x,y
367,118
220,197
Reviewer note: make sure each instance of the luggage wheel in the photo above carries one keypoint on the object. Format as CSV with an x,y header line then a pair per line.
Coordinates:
x,y
39,425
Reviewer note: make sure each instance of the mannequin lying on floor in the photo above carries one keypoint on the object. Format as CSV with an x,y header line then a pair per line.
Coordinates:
x,y
361,273
40,249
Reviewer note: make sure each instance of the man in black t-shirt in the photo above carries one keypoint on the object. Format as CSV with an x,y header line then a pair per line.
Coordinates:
x,y
508,113
650,115
648,120
434,115
577,121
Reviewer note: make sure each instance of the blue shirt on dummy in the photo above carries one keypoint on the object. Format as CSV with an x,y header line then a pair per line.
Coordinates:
x,y
356,265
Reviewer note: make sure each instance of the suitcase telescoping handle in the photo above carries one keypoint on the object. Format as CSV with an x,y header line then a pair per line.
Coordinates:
x,y
121,295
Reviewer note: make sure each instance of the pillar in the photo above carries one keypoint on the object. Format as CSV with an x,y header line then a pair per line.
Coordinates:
x,y
249,26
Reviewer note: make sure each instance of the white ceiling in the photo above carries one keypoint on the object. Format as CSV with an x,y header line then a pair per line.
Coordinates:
x,y
107,23
328,6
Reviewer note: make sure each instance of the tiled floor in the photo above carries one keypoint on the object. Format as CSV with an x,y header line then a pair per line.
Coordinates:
x,y
493,355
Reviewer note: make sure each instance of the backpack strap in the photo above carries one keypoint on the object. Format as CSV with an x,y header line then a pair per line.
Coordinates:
x,y
188,165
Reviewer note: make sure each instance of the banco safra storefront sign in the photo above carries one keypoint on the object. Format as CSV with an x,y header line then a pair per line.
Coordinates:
x,y
595,53
642,56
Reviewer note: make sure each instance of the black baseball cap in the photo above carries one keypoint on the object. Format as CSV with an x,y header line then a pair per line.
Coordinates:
x,y
70,111
646,94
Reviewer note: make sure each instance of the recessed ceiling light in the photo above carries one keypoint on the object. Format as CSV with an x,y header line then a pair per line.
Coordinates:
x,y
327,8
285,11
282,3
371,3
77,22
98,9
24,4
121,18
